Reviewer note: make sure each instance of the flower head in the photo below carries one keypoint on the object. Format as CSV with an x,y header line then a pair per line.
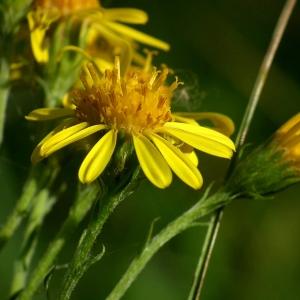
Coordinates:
x,y
65,7
287,138
107,34
136,105
272,166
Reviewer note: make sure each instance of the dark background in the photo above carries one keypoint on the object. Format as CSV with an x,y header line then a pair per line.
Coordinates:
x,y
257,251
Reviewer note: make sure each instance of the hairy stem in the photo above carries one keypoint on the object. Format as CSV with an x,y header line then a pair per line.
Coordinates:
x,y
205,253
203,207
82,258
77,212
20,211
42,205
262,75
4,91
4,94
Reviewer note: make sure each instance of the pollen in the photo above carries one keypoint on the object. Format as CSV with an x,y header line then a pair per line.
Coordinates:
x,y
136,103
66,6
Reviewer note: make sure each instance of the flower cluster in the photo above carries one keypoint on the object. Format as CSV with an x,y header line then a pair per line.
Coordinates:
x,y
117,100
105,95
136,105
107,34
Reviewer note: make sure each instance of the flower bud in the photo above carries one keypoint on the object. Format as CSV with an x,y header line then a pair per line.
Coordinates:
x,y
272,166
287,138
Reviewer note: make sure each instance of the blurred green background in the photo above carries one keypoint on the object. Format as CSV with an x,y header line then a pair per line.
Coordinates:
x,y
257,254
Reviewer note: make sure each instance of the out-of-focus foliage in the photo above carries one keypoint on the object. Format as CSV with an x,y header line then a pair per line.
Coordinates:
x,y
222,42
11,12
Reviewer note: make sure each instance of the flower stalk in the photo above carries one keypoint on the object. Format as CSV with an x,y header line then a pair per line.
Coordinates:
x,y
4,93
43,203
11,13
85,198
82,259
262,75
37,181
203,207
20,211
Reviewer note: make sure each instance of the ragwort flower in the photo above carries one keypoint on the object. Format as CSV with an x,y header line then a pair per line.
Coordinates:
x,y
137,105
107,35
287,139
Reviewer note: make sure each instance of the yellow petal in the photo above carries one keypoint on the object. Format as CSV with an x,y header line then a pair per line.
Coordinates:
x,y
50,147
45,114
177,117
201,138
138,58
152,163
126,15
289,124
67,103
100,31
192,156
178,162
295,151
221,122
138,36
39,22
291,137
103,64
37,38
36,155
98,158
61,136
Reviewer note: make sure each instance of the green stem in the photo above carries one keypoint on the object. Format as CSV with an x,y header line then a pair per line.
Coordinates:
x,y
77,212
206,251
43,203
202,208
4,92
20,211
82,258
36,181
262,75
264,70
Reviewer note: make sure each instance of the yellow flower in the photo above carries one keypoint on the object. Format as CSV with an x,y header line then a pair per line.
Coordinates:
x,y
66,7
287,138
136,105
107,35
